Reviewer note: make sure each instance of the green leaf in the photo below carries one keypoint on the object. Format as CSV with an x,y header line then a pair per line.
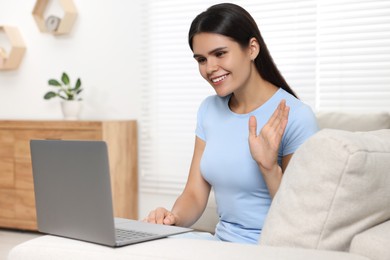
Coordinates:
x,y
54,82
78,84
50,95
64,98
65,78
65,90
70,96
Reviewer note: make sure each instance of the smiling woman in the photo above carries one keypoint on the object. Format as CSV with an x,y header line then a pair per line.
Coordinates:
x,y
217,57
245,136
335,55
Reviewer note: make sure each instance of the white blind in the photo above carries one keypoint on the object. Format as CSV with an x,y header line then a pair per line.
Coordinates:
x,y
354,55
334,54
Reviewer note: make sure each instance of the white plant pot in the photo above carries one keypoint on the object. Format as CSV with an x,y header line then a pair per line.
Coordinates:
x,y
71,109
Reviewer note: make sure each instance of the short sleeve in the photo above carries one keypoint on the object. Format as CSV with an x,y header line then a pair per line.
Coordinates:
x,y
199,131
302,124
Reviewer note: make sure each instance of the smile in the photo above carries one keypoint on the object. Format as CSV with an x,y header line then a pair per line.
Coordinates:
x,y
218,79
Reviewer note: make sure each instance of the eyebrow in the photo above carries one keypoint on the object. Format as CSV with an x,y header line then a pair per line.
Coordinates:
x,y
210,52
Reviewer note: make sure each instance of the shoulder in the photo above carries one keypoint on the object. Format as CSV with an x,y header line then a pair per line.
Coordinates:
x,y
213,102
298,109
302,123
292,102
214,99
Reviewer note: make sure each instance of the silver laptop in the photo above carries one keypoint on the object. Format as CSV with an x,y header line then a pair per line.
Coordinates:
x,y
73,195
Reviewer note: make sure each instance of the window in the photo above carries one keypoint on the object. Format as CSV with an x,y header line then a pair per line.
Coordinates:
x,y
334,53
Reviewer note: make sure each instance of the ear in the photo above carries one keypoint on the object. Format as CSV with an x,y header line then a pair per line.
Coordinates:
x,y
254,48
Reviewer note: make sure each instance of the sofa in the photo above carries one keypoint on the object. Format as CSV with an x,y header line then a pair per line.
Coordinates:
x,y
333,203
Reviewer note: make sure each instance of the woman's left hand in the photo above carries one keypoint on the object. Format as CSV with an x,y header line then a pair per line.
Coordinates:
x,y
265,146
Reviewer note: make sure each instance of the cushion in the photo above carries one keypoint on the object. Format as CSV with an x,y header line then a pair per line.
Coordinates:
x,y
57,248
354,121
373,243
336,186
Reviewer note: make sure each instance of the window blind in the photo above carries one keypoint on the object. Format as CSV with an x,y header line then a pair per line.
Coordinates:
x,y
354,55
334,54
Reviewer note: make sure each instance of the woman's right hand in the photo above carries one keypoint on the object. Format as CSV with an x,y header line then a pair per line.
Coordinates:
x,y
161,216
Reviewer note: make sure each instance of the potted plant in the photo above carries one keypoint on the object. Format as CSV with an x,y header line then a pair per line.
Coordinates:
x,y
71,105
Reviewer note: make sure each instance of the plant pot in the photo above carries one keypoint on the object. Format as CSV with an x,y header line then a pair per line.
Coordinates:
x,y
71,109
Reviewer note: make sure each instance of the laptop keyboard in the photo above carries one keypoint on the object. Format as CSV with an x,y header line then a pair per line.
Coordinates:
x,y
124,235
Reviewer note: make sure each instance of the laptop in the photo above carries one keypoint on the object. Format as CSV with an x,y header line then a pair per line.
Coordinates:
x,y
73,195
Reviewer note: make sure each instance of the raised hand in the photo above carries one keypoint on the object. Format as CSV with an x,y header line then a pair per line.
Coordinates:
x,y
264,146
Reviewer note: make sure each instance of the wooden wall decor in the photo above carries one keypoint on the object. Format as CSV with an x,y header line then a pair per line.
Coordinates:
x,y
52,24
11,59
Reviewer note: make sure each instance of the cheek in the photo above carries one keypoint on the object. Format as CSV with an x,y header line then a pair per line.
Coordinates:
x,y
243,67
202,71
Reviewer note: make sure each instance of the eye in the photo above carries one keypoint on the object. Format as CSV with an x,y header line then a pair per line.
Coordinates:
x,y
201,60
220,54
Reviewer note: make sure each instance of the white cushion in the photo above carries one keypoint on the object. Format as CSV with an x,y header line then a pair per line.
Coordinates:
x,y
57,248
373,243
350,121
336,186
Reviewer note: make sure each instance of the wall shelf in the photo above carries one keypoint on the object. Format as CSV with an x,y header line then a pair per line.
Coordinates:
x,y
11,59
52,24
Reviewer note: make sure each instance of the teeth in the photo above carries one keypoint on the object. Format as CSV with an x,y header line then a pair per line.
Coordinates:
x,y
219,79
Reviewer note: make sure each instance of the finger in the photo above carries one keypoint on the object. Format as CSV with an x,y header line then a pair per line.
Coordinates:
x,y
281,108
252,126
279,114
160,215
276,114
286,112
169,219
151,218
284,120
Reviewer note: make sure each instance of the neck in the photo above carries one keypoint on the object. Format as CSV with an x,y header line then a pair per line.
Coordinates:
x,y
252,96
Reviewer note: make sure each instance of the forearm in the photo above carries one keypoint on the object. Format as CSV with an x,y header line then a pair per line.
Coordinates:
x,y
187,209
190,205
272,179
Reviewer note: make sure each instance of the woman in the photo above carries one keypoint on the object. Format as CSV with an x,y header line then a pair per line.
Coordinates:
x,y
244,167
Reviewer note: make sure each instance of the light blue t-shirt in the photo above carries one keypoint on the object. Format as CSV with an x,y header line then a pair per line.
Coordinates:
x,y
240,191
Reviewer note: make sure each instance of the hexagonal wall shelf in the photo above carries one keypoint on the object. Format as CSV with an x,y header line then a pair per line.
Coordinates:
x,y
53,24
10,60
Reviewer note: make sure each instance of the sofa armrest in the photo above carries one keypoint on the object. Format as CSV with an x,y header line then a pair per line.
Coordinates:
x,y
58,248
373,243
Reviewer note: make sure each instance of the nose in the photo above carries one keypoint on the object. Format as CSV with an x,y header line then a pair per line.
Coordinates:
x,y
211,66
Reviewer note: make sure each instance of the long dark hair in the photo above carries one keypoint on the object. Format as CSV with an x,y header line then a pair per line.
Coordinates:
x,y
236,23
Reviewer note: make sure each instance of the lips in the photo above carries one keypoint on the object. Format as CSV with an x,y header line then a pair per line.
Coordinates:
x,y
219,78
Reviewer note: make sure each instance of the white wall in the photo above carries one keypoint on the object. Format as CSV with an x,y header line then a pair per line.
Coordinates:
x,y
103,49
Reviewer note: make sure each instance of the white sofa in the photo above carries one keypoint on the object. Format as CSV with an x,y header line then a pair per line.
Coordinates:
x,y
333,203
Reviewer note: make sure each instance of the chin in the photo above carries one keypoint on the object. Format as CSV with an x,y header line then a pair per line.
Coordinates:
x,y
222,96
222,93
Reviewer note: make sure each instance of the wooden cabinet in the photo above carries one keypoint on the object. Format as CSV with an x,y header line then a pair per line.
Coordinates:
x,y
17,202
